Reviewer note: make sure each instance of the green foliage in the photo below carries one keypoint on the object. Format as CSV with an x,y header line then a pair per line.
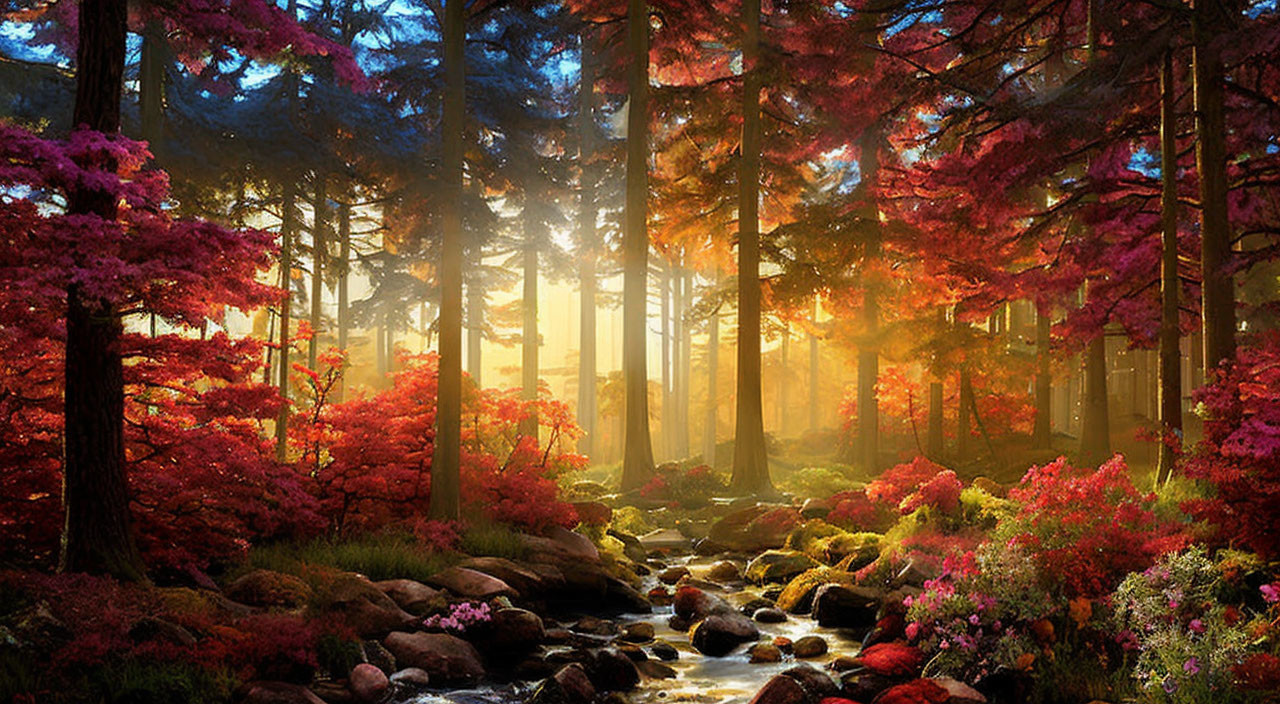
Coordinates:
x,y
632,520
1188,642
338,655
982,510
133,682
377,556
492,540
819,482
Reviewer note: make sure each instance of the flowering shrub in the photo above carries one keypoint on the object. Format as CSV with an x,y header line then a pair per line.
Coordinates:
x,y
460,617
1189,644
900,481
1239,457
855,510
985,612
1086,529
372,454
692,487
942,493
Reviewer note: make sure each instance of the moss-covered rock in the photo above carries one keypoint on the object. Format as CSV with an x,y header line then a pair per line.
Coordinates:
x,y
850,551
269,589
778,566
797,597
808,536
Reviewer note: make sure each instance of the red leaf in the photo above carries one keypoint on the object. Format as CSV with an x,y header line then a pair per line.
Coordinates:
x,y
892,659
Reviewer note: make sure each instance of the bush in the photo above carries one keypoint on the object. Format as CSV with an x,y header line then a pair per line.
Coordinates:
x,y
1087,529
1238,460
691,488
818,482
1189,644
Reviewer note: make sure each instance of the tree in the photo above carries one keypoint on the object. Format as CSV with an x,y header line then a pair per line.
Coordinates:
x,y
637,459
750,460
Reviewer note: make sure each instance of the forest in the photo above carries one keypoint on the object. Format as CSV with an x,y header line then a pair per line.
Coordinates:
x,y
639,351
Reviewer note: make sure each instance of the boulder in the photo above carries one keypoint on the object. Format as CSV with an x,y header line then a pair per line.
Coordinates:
x,y
781,689
377,655
764,652
414,597
815,508
778,566
470,583
268,589
623,596
674,574
719,634
817,683
808,537
513,629
769,614
797,596
361,605
575,545
277,693
632,548
638,632
664,539
612,671
367,682
573,679
595,626
724,571
862,685
809,647
663,650
849,551
333,692
916,572
523,579
447,659
843,606
742,532
958,692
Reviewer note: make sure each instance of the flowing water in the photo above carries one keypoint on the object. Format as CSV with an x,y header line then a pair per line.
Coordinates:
x,y
732,679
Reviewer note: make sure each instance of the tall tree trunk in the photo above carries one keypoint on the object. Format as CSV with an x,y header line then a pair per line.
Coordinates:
x,y
475,318
964,417
1042,431
934,443
686,368
637,455
667,423
319,249
750,459
288,224
784,347
1170,372
713,397
813,368
344,273
151,70
98,535
1095,435
446,457
868,352
529,333
588,248
679,426
1218,306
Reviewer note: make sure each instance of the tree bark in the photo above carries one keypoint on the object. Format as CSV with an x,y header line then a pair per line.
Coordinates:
x,y
151,75
98,533
934,442
319,250
1095,435
1042,431
1170,371
446,457
588,247
529,333
637,459
713,396
783,379
964,418
679,392
1218,305
813,369
344,272
287,226
666,425
750,459
868,354
686,362
475,319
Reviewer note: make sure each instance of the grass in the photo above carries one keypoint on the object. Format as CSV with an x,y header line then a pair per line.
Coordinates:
x,y
378,557
384,555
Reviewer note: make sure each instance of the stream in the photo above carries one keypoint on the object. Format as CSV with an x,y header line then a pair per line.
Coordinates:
x,y
700,679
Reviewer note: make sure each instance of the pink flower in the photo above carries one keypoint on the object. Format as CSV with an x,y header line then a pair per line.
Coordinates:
x,y
1191,666
1196,625
913,629
1271,592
